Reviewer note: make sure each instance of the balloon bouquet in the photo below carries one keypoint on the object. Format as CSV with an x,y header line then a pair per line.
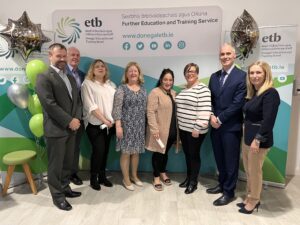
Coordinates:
x,y
25,37
19,94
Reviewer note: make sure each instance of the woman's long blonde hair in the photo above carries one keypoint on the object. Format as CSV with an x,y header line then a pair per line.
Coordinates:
x,y
268,83
90,74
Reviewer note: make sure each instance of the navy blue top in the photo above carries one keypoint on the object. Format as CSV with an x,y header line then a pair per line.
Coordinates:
x,y
260,115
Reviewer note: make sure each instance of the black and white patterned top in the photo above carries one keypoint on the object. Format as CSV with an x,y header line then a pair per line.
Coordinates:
x,y
130,108
194,108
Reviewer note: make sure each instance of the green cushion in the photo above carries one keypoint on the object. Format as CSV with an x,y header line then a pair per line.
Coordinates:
x,y
18,157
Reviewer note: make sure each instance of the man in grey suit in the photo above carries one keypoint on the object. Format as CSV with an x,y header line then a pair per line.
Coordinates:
x,y
62,110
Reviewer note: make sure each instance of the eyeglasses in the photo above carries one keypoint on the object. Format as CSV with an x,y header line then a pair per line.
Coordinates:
x,y
191,72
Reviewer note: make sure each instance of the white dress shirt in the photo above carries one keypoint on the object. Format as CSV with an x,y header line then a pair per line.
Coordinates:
x,y
96,95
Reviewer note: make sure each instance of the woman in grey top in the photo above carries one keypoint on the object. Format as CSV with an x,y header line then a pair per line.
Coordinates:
x,y
129,113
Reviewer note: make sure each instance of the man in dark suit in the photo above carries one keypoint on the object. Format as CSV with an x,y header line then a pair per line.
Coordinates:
x,y
62,110
73,58
228,92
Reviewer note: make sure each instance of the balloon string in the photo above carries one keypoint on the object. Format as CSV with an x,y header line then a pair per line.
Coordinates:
x,y
41,151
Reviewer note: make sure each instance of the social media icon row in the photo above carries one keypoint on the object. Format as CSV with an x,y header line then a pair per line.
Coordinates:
x,y
153,45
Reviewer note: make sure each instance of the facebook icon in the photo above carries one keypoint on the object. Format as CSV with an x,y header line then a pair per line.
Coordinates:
x,y
126,46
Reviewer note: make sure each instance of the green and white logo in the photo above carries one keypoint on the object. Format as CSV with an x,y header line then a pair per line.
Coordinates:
x,y
68,30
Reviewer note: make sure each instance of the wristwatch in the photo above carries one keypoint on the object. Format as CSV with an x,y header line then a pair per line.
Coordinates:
x,y
257,141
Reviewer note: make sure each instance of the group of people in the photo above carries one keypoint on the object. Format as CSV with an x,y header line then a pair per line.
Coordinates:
x,y
235,104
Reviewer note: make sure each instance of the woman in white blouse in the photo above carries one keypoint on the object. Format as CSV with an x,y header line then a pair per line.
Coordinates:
x,y
97,93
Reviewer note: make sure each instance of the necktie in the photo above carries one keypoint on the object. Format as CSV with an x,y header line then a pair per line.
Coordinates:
x,y
77,78
222,77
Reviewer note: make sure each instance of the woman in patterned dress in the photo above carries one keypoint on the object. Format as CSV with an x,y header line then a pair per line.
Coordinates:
x,y
129,113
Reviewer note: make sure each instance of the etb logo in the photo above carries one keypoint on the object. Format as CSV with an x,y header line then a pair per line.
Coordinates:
x,y
271,38
95,22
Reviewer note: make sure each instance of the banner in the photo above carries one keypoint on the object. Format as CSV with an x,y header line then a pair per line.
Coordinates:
x,y
277,47
156,39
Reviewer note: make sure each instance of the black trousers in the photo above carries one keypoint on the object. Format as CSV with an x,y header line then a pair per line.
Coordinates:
x,y
191,148
159,160
100,140
60,152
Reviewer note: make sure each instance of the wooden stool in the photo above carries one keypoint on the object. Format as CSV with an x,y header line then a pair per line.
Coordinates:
x,y
19,158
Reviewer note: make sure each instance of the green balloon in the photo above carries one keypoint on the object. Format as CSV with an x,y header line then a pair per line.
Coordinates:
x,y
36,125
33,69
34,105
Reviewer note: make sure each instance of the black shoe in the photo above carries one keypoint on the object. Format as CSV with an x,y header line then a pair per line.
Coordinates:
x,y
215,190
240,205
72,194
63,205
245,211
185,183
94,183
106,183
190,189
75,179
223,200
103,180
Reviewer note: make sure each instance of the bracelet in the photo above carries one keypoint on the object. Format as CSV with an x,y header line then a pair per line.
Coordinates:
x,y
257,141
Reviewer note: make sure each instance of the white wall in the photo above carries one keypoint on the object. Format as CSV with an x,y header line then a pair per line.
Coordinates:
x,y
267,12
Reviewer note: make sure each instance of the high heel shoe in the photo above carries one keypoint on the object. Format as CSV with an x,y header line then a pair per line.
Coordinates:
x,y
245,211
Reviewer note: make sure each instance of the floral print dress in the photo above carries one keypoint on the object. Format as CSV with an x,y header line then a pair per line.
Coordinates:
x,y
130,108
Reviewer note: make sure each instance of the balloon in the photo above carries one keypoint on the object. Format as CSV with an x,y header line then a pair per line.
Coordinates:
x,y
33,69
36,125
34,105
244,34
24,36
18,94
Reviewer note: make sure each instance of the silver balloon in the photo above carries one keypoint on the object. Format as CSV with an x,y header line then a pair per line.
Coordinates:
x,y
18,95
24,36
244,34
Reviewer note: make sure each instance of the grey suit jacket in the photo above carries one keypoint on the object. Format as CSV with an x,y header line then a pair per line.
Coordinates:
x,y
58,107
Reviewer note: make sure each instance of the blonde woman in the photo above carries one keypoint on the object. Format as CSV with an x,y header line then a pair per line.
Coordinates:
x,y
260,114
129,112
97,93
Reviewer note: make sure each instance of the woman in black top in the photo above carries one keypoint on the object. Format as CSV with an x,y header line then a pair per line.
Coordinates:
x,y
260,114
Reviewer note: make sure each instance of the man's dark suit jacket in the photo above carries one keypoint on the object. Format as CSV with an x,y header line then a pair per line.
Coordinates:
x,y
81,74
58,107
227,101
